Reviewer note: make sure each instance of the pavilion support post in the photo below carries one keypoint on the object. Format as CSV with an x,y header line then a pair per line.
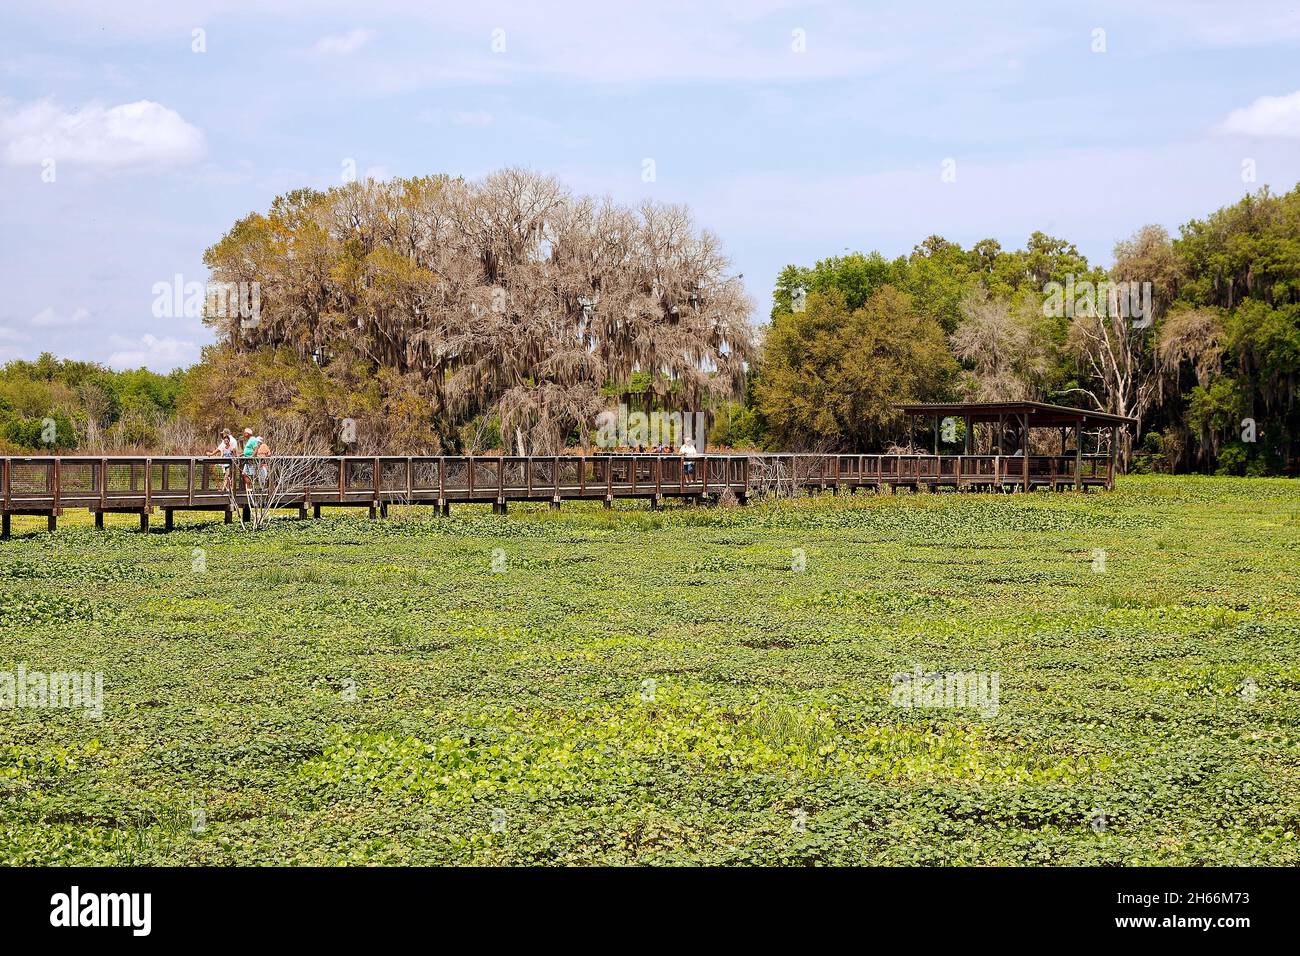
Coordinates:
x,y
5,525
51,522
1024,449
144,521
315,511
936,436
969,425
1114,451
229,516
1078,457
99,520
167,518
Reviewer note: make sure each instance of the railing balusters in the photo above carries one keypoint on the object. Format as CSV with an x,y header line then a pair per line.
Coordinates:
x,y
48,484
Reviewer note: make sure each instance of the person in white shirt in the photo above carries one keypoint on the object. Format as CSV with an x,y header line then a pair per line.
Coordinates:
x,y
689,453
227,447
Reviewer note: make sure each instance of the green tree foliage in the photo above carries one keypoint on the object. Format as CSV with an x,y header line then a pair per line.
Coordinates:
x,y
507,299
262,387
1239,272
854,277
736,426
979,296
1224,340
938,275
84,400
1213,411
831,375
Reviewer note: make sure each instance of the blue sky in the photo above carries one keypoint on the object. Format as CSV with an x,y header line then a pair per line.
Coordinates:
x,y
793,130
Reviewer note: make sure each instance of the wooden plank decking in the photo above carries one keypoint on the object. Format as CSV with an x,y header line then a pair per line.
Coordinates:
x,y
48,485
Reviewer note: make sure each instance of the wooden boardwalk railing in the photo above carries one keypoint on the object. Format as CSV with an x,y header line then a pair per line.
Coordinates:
x,y
141,485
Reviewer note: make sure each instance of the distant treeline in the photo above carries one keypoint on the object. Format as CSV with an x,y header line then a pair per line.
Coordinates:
x,y
58,405
1198,337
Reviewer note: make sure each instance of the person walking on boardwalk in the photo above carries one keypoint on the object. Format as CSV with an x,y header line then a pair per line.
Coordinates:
x,y
227,447
689,454
251,442
262,452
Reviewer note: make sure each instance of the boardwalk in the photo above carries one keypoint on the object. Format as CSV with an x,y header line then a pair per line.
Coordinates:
x,y
143,486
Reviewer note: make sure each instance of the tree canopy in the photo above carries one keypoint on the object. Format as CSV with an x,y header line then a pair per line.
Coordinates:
x,y
507,297
1210,373
831,374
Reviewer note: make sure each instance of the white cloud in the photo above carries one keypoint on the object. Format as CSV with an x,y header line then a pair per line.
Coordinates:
x,y
1267,116
50,317
343,44
143,133
11,335
159,354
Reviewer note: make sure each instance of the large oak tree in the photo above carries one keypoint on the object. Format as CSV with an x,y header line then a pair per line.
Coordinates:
x,y
507,297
